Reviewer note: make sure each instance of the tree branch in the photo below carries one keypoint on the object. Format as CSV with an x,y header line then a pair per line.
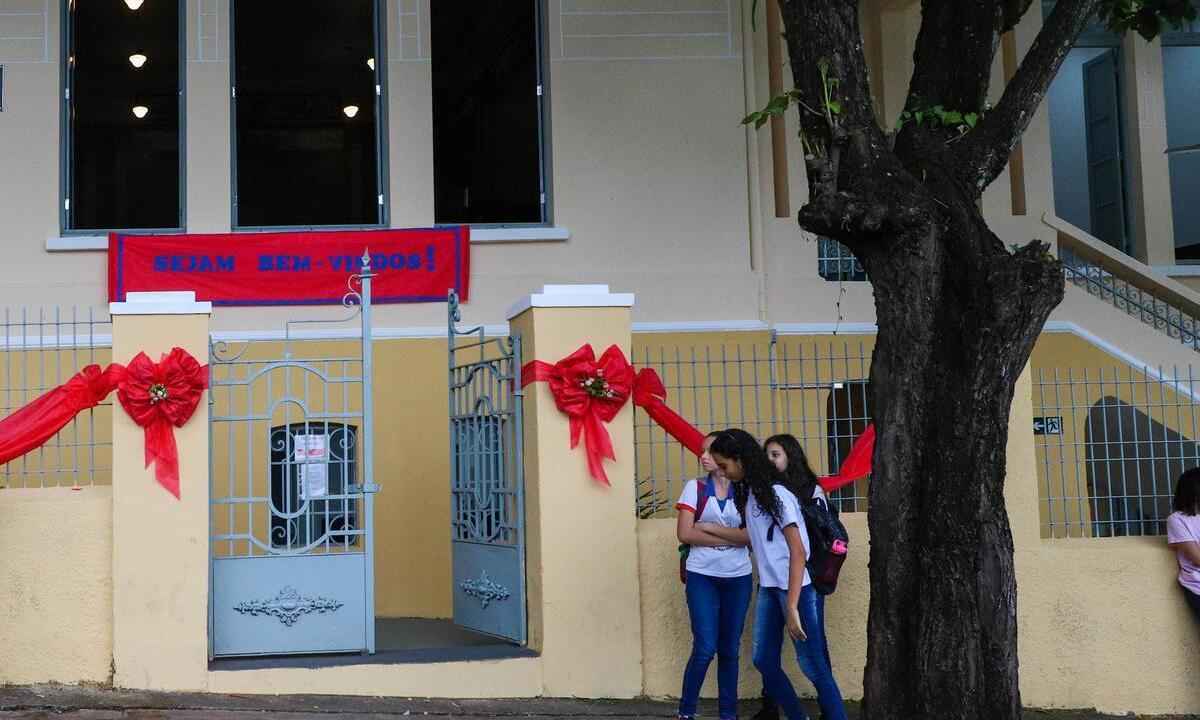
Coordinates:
x,y
954,52
986,149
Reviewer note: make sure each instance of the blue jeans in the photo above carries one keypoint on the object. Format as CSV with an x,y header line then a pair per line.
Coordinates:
x,y
812,653
718,610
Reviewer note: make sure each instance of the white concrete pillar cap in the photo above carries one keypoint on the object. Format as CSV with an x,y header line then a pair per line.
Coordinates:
x,y
160,303
571,296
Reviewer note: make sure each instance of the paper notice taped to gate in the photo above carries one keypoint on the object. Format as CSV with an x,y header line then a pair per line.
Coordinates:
x,y
314,480
309,448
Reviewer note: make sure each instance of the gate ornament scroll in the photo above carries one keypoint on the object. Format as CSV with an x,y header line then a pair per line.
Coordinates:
x,y
157,396
591,392
289,605
484,589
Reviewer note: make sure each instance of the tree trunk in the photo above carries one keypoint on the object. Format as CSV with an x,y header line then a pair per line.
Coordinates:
x,y
958,315
953,339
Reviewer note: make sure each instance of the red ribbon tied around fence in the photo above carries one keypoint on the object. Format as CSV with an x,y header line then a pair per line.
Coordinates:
x,y
157,396
591,392
160,397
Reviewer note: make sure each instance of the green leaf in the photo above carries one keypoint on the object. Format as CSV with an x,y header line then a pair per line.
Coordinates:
x,y
971,119
952,118
834,106
778,104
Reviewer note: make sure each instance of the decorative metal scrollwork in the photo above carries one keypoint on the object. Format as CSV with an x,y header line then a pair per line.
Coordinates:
x,y
289,605
485,590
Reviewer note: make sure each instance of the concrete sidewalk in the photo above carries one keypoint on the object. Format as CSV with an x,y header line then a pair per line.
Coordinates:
x,y
82,703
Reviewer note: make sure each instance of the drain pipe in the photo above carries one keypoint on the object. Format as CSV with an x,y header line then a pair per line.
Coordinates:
x,y
758,263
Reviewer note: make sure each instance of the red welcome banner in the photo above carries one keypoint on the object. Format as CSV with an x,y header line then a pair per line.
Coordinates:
x,y
292,268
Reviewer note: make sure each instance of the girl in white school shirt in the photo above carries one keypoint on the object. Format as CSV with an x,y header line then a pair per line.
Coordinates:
x,y
718,585
786,597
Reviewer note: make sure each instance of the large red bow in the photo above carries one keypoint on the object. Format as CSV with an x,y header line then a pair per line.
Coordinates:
x,y
159,397
590,392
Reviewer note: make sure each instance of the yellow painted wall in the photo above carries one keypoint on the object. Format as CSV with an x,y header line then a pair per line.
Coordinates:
x,y
56,585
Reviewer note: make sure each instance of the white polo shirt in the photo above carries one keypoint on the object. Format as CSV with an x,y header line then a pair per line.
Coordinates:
x,y
771,556
722,561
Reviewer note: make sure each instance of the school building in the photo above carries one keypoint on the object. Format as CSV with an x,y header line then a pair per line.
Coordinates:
x,y
371,504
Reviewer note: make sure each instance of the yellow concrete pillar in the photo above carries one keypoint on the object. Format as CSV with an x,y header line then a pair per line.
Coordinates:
x,y
582,556
1021,476
160,544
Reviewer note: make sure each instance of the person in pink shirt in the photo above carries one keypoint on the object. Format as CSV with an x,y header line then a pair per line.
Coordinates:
x,y
1183,536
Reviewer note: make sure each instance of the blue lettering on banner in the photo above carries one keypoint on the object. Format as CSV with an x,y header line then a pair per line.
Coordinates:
x,y
285,263
194,263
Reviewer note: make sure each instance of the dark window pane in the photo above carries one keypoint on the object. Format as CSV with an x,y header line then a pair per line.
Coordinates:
x,y
836,263
123,169
1181,68
486,147
307,146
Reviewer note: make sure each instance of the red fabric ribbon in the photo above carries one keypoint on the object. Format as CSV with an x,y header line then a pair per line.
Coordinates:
x,y
588,410
857,464
32,426
160,397
590,392
650,394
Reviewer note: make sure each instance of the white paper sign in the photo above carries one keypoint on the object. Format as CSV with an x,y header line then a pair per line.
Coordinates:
x,y
309,448
309,453
314,481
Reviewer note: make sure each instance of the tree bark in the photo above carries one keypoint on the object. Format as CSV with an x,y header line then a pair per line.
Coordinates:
x,y
958,314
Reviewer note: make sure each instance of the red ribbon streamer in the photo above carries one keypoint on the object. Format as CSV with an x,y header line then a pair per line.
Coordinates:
x,y
157,396
588,411
857,464
32,426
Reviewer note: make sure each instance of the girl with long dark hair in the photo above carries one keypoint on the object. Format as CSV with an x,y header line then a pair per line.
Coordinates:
x,y
1183,536
769,501
788,457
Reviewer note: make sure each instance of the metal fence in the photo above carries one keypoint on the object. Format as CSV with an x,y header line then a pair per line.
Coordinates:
x,y
1110,443
816,391
42,348
1123,295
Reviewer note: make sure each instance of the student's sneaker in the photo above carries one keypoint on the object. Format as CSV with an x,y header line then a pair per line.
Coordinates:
x,y
768,711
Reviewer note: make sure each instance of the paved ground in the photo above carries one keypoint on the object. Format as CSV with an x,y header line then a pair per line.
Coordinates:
x,y
76,703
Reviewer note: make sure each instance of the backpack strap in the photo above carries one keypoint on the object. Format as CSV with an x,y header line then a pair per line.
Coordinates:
x,y
701,497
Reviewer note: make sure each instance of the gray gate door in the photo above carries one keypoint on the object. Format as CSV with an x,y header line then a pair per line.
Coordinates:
x,y
292,494
487,482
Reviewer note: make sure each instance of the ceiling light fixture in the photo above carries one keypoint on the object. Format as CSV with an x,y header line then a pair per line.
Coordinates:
x,y
134,4
350,110
371,63
137,60
140,111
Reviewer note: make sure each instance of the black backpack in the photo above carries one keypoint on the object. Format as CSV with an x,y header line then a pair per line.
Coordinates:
x,y
828,543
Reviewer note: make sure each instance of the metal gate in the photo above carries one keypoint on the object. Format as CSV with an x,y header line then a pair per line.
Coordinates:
x,y
487,480
293,488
